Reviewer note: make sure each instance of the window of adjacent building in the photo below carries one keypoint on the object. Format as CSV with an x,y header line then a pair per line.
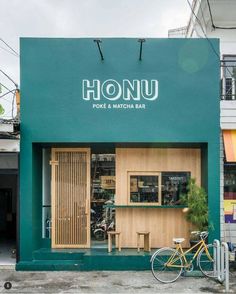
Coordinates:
x,y
230,181
230,193
228,77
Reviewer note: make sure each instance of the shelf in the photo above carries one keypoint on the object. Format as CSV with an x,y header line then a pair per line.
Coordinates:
x,y
144,206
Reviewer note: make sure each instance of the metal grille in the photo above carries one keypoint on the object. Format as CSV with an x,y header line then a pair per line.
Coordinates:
x,y
70,220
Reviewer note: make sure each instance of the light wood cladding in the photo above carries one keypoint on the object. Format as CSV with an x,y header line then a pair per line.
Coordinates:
x,y
163,223
70,197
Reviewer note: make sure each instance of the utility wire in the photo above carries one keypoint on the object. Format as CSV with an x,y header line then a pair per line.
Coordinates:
x,y
11,91
203,16
9,78
8,51
216,53
5,99
209,7
212,22
199,22
1,84
16,53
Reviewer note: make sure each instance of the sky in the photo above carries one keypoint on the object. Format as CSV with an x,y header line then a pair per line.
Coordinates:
x,y
80,18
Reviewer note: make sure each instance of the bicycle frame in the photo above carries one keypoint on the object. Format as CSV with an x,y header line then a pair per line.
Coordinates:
x,y
173,258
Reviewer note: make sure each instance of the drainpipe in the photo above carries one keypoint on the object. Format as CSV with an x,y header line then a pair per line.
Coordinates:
x,y
18,101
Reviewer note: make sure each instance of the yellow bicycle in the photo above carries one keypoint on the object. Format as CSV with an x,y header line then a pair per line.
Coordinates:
x,y
167,263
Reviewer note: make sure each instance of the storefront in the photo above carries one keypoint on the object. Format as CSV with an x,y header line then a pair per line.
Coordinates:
x,y
229,193
111,132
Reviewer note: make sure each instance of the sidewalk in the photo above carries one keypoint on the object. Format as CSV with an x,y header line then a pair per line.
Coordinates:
x,y
105,282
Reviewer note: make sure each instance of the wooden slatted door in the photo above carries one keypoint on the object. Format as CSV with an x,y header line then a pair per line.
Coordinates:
x,y
70,197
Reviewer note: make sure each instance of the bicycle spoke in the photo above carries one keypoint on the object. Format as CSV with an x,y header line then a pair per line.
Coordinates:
x,y
159,260
163,267
206,261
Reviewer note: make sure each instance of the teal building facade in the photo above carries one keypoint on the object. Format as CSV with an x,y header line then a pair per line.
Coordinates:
x,y
75,98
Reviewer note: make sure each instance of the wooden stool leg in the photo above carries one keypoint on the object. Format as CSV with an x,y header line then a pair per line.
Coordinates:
x,y
149,242
138,242
119,242
145,241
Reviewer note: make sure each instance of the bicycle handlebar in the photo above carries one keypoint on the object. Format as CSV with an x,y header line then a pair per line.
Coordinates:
x,y
195,232
202,234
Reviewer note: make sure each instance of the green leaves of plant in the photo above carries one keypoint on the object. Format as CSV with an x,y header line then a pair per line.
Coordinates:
x,y
2,110
196,200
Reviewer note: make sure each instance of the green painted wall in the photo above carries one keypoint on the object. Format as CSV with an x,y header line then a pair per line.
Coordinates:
x,y
53,110
51,75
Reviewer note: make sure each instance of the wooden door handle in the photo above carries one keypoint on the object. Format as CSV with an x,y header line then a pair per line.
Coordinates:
x,y
87,203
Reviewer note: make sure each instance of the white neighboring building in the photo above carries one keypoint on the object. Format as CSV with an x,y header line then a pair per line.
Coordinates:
x,y
217,19
9,138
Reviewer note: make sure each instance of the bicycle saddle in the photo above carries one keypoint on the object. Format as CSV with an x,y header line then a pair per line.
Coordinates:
x,y
178,240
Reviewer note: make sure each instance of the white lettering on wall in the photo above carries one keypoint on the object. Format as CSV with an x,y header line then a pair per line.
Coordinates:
x,y
131,90
149,89
113,90
91,90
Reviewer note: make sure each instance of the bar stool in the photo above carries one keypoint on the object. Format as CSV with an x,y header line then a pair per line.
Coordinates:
x,y
110,235
146,240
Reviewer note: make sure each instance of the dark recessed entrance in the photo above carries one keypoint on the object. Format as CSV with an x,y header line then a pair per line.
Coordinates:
x,y
8,208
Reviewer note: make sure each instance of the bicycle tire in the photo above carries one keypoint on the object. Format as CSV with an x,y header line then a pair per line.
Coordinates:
x,y
99,235
205,263
162,272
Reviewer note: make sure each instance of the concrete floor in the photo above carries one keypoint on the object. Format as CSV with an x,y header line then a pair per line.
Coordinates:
x,y
6,256
105,282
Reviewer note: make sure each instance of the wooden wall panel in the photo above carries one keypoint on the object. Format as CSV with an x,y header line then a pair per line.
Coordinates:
x,y
164,224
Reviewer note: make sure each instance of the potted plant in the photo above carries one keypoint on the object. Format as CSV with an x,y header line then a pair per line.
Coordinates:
x,y
197,209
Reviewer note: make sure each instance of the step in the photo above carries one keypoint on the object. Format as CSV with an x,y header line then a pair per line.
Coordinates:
x,y
50,254
49,265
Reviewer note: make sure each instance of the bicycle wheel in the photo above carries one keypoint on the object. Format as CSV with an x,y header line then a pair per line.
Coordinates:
x,y
161,270
99,235
206,261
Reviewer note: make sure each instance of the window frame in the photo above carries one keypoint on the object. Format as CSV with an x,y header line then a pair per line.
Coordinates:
x,y
144,173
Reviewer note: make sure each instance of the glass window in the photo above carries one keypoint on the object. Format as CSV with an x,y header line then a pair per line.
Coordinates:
x,y
144,187
230,181
229,66
103,193
173,185
160,188
230,192
229,75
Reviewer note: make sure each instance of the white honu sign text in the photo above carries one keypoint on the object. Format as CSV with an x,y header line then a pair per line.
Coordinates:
x,y
126,90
